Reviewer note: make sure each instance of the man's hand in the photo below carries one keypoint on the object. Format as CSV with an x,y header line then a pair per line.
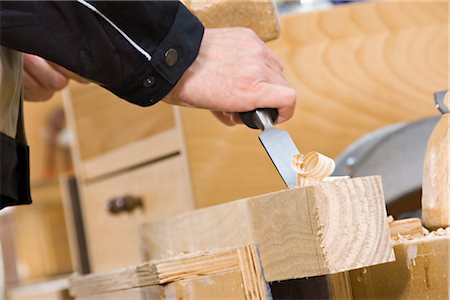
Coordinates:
x,y
42,78
234,72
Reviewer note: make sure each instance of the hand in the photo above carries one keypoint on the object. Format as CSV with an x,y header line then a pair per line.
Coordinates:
x,y
42,78
234,72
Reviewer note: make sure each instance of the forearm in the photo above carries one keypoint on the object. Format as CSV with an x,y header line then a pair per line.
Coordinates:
x,y
120,45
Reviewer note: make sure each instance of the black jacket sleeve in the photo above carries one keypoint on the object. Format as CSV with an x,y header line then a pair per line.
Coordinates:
x,y
136,49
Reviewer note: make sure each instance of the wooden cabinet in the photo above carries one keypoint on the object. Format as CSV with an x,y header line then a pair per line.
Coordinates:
x,y
131,168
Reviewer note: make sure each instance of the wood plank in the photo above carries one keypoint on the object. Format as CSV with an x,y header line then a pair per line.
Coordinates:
x,y
219,286
421,271
259,15
154,292
370,64
181,269
298,231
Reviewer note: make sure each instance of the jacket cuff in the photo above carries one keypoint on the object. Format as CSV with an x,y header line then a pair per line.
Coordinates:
x,y
173,56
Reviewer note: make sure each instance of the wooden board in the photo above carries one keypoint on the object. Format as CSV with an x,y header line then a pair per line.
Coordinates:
x,y
183,275
355,67
259,15
421,271
327,228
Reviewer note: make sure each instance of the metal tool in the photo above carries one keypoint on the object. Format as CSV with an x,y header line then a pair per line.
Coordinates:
x,y
439,98
278,143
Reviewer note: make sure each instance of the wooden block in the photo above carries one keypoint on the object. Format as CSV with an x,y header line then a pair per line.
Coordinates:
x,y
421,271
328,228
407,228
259,15
183,275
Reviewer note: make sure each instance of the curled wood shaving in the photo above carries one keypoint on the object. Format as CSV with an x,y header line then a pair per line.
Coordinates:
x,y
312,167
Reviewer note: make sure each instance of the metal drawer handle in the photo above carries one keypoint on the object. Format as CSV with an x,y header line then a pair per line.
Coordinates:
x,y
126,203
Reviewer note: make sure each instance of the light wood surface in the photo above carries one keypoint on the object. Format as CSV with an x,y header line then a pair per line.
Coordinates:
x,y
113,240
40,235
340,286
146,150
436,177
236,271
154,292
104,122
259,15
356,68
327,228
406,228
421,271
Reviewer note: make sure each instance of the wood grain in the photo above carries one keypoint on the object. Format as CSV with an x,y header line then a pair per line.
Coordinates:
x,y
104,122
421,271
406,228
299,232
436,177
355,68
113,240
237,271
259,15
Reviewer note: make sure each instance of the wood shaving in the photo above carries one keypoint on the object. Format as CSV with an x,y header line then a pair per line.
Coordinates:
x,y
312,167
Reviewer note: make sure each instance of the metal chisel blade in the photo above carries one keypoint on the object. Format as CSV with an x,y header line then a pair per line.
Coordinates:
x,y
281,148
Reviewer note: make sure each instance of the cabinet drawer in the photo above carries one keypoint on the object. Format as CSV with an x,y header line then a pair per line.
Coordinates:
x,y
113,238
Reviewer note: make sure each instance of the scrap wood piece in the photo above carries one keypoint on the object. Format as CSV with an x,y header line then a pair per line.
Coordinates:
x,y
421,271
259,15
322,229
243,260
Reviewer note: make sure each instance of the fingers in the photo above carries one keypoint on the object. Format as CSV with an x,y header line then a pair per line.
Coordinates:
x,y
224,117
43,73
33,91
40,79
283,98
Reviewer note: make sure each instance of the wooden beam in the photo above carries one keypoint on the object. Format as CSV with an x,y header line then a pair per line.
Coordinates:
x,y
259,15
421,271
186,272
327,228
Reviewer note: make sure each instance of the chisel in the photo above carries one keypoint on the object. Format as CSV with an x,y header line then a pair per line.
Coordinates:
x,y
278,144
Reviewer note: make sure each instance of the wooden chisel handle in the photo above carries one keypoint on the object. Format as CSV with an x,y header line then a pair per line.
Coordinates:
x,y
436,175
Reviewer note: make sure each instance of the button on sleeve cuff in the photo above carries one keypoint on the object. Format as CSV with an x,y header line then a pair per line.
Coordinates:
x,y
155,78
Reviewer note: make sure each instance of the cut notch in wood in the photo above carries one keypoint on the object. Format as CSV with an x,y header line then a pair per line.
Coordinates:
x,y
183,267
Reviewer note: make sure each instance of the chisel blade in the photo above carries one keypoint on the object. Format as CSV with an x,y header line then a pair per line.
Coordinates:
x,y
281,148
